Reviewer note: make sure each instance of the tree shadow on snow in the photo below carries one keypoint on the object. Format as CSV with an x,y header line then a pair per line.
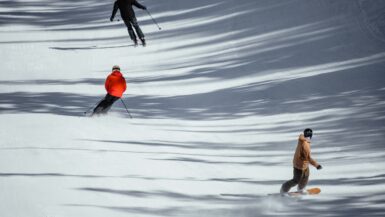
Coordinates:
x,y
245,204
293,67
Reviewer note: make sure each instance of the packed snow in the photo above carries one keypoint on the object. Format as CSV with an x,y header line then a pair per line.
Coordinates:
x,y
218,97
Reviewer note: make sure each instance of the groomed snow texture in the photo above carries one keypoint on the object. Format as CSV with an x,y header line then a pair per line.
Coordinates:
x,y
218,99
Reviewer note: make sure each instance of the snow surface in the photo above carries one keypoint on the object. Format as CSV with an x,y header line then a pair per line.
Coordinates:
x,y
219,97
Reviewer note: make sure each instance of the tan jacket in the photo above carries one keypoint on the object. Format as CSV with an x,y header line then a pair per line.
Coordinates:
x,y
302,156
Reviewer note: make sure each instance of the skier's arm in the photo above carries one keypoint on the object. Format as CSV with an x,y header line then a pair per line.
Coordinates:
x,y
124,86
306,150
138,5
114,10
107,84
313,162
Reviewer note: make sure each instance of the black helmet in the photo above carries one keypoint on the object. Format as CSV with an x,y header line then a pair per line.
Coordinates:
x,y
308,132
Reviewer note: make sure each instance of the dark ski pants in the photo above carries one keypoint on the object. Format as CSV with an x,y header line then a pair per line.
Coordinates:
x,y
105,104
300,178
132,22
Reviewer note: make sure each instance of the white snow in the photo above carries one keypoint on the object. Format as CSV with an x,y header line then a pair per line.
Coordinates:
x,y
219,97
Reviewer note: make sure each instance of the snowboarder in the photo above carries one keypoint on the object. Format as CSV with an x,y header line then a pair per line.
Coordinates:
x,y
128,15
115,85
301,161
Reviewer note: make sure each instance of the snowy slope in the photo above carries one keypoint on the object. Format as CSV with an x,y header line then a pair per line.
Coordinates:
x,y
218,97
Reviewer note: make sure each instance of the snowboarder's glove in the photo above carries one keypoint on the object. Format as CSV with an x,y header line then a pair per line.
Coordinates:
x,y
319,167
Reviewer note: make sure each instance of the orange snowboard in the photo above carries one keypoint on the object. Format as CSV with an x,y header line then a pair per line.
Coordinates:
x,y
309,191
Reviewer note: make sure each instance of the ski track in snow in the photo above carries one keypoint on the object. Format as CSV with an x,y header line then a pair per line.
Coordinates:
x,y
218,97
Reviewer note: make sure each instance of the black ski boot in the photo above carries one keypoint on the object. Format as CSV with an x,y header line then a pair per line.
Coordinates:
x,y
143,41
133,37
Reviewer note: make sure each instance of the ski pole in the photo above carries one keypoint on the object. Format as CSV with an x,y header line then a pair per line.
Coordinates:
x,y
126,108
153,19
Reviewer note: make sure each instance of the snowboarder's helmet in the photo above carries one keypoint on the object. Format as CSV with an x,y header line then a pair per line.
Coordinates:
x,y
308,132
115,67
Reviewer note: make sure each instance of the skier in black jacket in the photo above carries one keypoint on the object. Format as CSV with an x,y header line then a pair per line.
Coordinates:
x,y
128,15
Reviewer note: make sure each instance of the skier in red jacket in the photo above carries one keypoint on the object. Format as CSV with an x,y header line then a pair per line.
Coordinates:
x,y
115,85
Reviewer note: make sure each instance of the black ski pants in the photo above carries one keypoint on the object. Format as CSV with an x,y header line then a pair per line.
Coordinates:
x,y
105,104
132,22
300,178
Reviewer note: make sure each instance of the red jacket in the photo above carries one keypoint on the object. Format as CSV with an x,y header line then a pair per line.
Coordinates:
x,y
115,84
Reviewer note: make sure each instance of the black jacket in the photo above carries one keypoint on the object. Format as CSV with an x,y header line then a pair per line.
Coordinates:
x,y
125,8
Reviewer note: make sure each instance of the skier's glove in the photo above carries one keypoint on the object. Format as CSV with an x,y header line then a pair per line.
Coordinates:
x,y
319,167
144,7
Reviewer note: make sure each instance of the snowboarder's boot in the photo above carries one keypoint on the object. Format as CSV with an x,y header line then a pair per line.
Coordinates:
x,y
301,191
283,193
